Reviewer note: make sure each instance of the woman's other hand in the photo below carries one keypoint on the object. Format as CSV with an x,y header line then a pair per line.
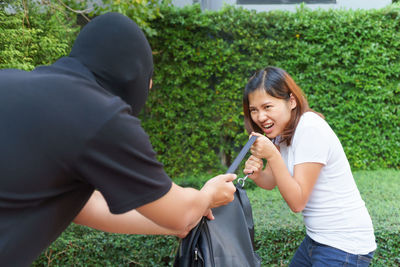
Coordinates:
x,y
253,167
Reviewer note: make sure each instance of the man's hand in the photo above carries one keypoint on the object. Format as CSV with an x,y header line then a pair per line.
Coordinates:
x,y
209,216
220,189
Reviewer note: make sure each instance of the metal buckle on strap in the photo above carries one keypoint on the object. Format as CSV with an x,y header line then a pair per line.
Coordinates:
x,y
242,180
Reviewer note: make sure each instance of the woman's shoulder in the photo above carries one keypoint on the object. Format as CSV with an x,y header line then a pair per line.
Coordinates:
x,y
311,122
310,118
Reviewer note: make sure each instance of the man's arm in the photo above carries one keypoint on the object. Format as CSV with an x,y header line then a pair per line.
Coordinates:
x,y
181,208
175,213
96,214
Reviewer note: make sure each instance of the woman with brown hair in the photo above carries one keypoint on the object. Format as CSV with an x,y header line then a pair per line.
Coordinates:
x,y
307,163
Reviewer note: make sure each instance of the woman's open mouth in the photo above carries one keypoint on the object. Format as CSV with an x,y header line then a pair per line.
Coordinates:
x,y
267,128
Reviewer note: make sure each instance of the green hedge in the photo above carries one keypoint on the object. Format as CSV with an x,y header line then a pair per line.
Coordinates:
x,y
347,62
82,246
278,232
35,38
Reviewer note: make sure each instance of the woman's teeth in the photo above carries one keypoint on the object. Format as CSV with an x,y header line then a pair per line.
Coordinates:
x,y
268,126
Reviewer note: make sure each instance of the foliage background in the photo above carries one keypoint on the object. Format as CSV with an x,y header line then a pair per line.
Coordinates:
x,y
347,62
29,38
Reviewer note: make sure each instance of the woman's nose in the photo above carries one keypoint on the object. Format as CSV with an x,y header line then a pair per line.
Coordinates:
x,y
262,116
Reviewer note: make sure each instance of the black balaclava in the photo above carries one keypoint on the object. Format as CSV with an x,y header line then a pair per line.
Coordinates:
x,y
117,52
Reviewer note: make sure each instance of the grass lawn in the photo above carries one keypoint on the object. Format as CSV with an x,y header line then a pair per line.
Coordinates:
x,y
379,189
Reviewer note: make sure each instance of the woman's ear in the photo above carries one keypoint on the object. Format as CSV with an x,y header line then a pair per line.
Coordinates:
x,y
292,101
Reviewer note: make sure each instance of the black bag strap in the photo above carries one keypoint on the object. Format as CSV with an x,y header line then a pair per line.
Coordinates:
x,y
241,155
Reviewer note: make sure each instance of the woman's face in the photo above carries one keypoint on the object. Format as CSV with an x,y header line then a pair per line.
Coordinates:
x,y
271,114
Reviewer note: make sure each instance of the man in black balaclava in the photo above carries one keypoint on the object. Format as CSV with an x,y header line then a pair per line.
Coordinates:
x,y
73,148
122,64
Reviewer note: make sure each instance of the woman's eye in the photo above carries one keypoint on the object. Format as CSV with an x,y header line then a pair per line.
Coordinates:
x,y
253,111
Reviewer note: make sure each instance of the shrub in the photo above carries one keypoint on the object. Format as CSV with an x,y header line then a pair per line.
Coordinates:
x,y
347,62
278,232
82,246
35,38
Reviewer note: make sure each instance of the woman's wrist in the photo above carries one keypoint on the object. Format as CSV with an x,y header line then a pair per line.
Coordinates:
x,y
255,177
272,156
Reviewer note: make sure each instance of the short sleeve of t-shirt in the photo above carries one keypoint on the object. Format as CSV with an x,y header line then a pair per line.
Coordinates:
x,y
120,162
310,142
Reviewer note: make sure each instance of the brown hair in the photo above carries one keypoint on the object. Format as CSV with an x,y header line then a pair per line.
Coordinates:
x,y
277,83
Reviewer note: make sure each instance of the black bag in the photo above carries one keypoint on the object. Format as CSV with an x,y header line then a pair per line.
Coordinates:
x,y
226,241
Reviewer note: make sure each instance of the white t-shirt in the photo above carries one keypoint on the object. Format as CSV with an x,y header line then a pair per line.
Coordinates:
x,y
335,214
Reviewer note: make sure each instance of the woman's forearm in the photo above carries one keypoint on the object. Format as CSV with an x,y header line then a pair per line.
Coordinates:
x,y
266,179
296,189
289,188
